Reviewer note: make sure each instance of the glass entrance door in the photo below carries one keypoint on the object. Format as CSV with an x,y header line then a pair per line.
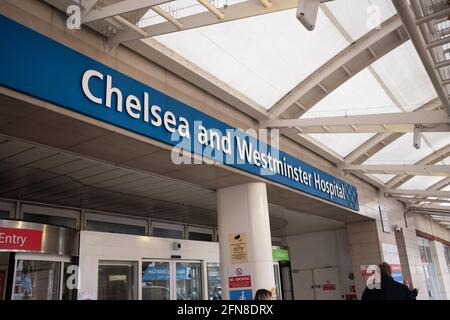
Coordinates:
x,y
276,271
117,280
38,277
188,285
156,280
171,280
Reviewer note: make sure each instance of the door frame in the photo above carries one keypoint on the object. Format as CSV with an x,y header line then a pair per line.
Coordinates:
x,y
42,257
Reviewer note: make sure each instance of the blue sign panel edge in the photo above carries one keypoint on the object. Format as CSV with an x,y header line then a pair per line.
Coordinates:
x,y
41,67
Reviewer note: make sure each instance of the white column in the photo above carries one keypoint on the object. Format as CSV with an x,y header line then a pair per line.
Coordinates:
x,y
244,239
441,268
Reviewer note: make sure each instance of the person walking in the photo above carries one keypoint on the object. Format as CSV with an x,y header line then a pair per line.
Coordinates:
x,y
389,289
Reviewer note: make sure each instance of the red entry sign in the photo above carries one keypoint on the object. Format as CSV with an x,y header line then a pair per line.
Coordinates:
x,y
20,239
240,282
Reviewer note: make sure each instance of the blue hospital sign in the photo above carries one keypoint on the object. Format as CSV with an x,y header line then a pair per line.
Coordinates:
x,y
43,68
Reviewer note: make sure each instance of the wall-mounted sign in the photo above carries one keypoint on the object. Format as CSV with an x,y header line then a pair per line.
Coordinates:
x,y
43,68
329,286
385,220
240,282
280,254
241,294
238,247
12,239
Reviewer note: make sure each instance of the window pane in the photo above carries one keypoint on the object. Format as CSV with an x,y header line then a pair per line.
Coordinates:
x,y
167,233
36,280
200,236
117,280
4,215
214,284
115,228
155,281
52,220
189,281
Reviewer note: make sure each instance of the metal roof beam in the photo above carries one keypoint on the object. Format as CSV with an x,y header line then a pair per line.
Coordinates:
x,y
233,12
383,119
119,8
433,158
426,170
381,140
418,201
371,129
407,16
356,48
412,192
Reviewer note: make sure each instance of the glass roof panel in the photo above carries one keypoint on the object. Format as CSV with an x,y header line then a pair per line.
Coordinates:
x,y
342,143
362,94
401,151
420,182
437,140
382,177
360,16
404,74
263,57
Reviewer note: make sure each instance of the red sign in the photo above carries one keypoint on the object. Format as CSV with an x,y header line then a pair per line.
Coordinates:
x,y
351,296
329,286
20,239
240,282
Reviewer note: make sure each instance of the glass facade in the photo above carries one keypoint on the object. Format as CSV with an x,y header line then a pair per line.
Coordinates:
x,y
214,284
188,280
167,233
117,280
36,280
52,220
428,268
156,280
103,226
199,236
4,214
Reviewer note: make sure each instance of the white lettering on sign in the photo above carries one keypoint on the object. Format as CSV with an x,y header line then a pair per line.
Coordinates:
x,y
134,107
100,89
12,239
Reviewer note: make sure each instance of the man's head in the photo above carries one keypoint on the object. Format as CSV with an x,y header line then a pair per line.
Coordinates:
x,y
385,269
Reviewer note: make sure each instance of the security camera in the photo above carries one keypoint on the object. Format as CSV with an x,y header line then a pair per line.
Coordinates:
x,y
307,13
176,245
397,228
417,136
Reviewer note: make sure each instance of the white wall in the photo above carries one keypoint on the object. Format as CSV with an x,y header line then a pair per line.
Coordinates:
x,y
321,250
95,246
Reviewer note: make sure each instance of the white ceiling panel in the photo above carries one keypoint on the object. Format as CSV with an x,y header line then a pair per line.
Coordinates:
x,y
262,57
401,151
360,16
420,182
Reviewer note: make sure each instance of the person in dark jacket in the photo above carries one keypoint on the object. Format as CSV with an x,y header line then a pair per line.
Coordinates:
x,y
389,289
